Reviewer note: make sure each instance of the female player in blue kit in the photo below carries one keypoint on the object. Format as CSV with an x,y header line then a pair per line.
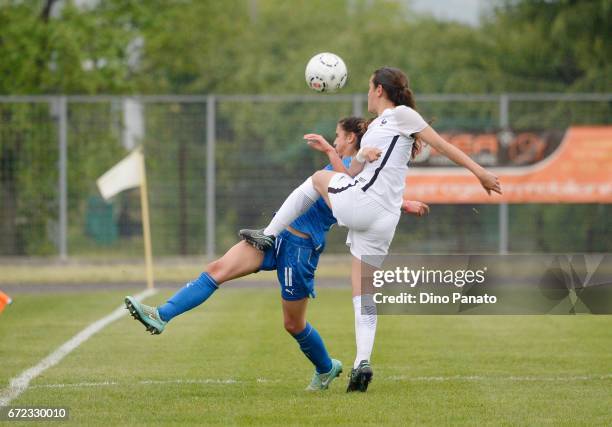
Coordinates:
x,y
294,256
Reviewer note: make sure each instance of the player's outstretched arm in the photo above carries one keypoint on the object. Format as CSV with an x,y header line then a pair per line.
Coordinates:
x,y
366,154
489,181
319,143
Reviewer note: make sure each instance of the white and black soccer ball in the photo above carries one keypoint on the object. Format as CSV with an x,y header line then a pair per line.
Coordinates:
x,y
326,72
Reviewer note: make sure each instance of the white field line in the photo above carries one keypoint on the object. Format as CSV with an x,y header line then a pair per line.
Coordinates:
x,y
144,382
493,378
230,381
75,385
20,383
201,381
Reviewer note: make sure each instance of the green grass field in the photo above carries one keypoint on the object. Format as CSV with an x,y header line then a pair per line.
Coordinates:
x,y
231,362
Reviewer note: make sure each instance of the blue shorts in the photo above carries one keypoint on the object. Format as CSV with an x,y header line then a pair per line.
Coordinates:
x,y
295,261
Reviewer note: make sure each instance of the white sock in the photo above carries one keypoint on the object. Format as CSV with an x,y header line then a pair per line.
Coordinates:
x,y
296,204
365,327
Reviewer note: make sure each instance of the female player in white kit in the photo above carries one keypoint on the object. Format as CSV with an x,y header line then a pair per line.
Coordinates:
x,y
368,199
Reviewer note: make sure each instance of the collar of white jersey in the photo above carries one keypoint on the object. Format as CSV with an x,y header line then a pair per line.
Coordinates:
x,y
387,111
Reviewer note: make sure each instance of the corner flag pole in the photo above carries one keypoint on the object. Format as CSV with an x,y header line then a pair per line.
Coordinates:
x,y
146,227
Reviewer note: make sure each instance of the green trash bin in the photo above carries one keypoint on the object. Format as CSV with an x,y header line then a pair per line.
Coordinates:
x,y
100,223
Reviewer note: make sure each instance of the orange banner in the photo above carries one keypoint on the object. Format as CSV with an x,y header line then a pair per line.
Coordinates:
x,y
578,171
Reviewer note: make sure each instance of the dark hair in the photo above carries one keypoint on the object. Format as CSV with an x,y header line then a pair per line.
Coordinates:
x,y
395,84
356,125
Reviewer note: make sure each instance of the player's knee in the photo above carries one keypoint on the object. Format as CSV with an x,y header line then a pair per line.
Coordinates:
x,y
317,177
294,326
319,180
217,270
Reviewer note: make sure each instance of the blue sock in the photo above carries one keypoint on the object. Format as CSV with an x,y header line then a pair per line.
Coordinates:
x,y
190,296
312,346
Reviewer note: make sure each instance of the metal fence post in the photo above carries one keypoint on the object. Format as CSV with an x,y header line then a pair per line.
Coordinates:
x,y
357,106
504,123
63,181
210,176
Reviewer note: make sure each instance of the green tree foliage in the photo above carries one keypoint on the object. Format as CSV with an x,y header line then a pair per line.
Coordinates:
x,y
239,46
55,47
552,45
47,48
208,46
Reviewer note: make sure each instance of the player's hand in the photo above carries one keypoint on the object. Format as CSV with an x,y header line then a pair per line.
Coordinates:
x,y
490,182
414,207
371,154
317,142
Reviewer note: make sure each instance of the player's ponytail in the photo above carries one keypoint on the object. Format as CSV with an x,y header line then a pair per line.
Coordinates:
x,y
395,84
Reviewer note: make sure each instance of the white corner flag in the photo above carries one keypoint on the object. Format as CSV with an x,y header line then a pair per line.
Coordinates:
x,y
124,175
130,173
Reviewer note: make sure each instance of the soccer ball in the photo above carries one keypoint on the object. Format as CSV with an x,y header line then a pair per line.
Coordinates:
x,y
326,72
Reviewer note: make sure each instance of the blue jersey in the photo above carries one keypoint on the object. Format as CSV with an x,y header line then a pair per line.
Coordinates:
x,y
318,219
294,258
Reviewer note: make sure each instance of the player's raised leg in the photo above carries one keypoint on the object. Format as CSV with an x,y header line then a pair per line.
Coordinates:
x,y
321,180
298,202
240,260
311,344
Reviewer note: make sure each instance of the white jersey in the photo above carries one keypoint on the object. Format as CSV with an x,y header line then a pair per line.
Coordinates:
x,y
391,132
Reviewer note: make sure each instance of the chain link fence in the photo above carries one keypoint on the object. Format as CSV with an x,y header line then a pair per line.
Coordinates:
x,y
219,163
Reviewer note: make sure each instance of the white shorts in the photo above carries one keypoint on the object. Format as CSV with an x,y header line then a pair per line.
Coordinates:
x,y
371,226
